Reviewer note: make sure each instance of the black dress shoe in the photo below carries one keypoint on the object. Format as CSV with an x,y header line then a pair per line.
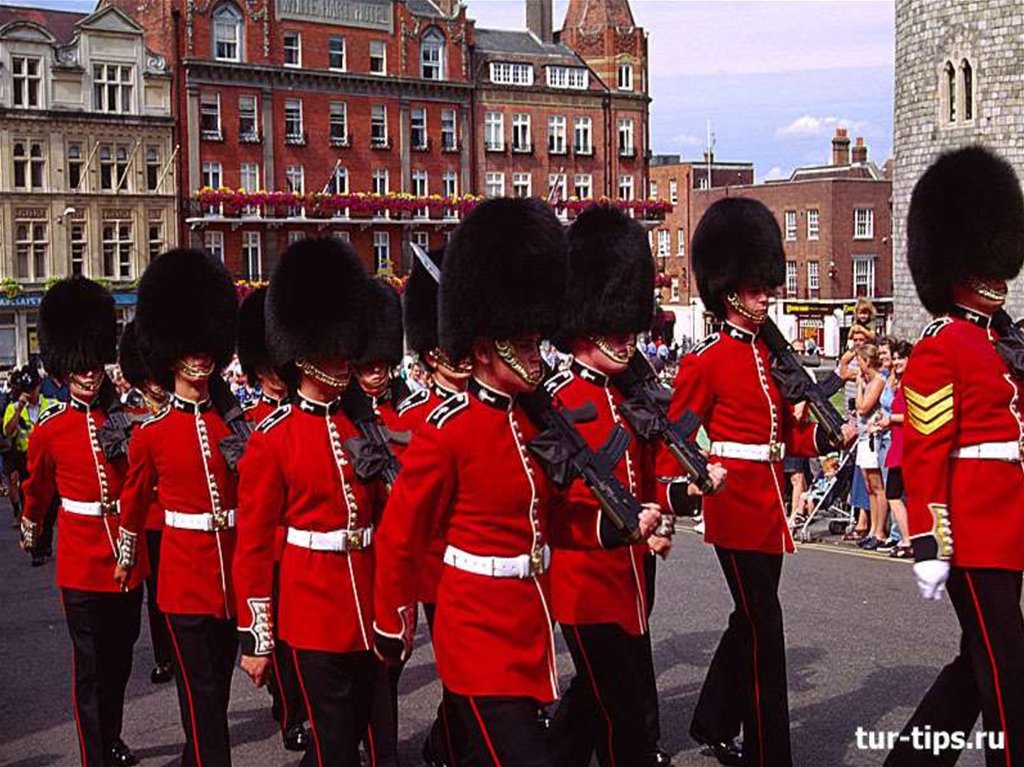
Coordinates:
x,y
430,756
120,755
727,752
296,737
161,673
38,560
659,758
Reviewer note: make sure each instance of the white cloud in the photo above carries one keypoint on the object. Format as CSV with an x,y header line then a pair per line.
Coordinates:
x,y
773,174
688,140
808,125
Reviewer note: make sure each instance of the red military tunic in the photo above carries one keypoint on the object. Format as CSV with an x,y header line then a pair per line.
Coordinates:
x,y
255,412
412,414
65,457
468,470
589,583
960,394
296,472
726,381
155,516
166,456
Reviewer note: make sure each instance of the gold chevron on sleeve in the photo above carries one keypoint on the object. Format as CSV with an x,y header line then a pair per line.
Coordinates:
x,y
929,413
926,401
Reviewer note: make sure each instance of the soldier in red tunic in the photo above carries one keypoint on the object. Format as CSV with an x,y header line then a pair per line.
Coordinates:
x,y
178,456
381,317
963,449
726,381
469,472
77,333
298,468
288,707
146,399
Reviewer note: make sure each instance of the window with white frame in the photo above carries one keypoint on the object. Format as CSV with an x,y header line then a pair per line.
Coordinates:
x,y
382,252
420,189
664,243
152,168
625,76
791,280
336,53
112,87
296,235
508,73
449,184
864,277
156,238
78,248
582,135
295,181
556,188
495,184
292,48
227,33
674,295
338,125
494,131
863,223
209,116
626,146
653,188
252,255
26,81
31,246
574,78
343,235
213,175
420,238
680,243
625,187
673,191
790,224
213,241
449,130
248,119
378,57
29,164
293,120
117,247
379,181
522,185
249,180
583,186
813,279
418,128
556,134
379,125
76,162
432,55
113,160
813,224
339,181
702,183
521,141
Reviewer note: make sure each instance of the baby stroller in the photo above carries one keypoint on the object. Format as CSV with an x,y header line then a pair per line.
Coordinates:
x,y
830,494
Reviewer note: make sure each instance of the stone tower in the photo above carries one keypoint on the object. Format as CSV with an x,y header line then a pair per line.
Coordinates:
x,y
959,81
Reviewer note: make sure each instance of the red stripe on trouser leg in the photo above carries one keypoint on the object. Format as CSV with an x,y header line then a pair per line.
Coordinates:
x,y
753,633
597,694
483,731
309,708
995,670
188,690
370,743
448,733
280,692
74,689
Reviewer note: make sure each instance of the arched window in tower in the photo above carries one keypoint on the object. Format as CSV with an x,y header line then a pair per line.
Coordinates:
x,y
967,75
950,91
432,55
227,33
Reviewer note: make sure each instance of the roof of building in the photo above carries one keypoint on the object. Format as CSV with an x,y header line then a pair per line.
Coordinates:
x,y
60,24
491,41
598,15
867,170
424,8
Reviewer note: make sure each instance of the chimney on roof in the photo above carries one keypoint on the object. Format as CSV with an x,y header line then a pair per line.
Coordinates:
x,y
449,8
709,157
859,155
539,19
841,148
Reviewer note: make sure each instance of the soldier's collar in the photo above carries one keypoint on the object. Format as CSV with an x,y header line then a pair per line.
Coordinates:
x,y
588,373
188,406
487,395
84,407
442,391
973,316
313,407
266,399
734,331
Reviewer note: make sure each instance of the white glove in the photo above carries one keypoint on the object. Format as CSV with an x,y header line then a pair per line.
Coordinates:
x,y
931,575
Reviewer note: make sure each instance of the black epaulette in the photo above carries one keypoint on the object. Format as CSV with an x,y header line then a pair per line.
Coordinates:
x,y
413,400
934,327
706,343
454,404
274,419
156,416
54,408
557,382
250,405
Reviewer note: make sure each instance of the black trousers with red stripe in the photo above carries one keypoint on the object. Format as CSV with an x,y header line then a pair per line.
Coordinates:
x,y
746,681
602,709
448,738
338,691
289,709
162,654
502,731
652,713
205,648
103,626
987,677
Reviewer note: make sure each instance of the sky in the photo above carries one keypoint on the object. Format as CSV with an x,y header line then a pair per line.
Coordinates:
x,y
773,77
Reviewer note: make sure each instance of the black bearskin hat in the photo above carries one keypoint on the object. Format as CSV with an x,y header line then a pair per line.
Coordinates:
x,y
252,334
187,305
610,280
129,357
504,275
966,220
420,303
77,327
312,309
380,315
737,242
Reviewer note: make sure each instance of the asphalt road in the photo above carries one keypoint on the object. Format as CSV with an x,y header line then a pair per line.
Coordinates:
x,y
863,648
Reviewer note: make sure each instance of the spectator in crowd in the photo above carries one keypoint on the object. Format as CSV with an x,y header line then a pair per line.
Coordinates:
x,y
870,383
797,468
849,372
893,424
882,436
865,314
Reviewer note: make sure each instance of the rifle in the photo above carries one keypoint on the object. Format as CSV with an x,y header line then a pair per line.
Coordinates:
x,y
797,386
114,434
232,447
1011,342
373,456
646,410
566,455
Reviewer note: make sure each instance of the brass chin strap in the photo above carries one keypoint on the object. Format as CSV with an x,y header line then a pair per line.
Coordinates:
x,y
308,368
194,372
734,301
80,382
463,368
508,356
618,358
985,291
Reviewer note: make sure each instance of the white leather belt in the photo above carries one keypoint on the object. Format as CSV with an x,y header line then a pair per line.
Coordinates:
x,y
991,451
90,508
523,566
202,522
335,540
770,453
